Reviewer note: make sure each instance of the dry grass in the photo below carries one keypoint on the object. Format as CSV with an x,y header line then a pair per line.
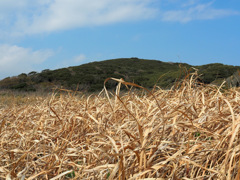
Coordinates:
x,y
190,132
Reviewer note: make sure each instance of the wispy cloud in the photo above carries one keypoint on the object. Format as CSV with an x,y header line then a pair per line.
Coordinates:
x,y
15,59
189,3
67,14
193,10
80,58
24,17
47,16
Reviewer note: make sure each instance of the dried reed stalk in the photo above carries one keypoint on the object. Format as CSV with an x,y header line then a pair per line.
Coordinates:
x,y
188,132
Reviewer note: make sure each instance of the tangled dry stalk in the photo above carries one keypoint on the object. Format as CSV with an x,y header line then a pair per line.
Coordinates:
x,y
190,132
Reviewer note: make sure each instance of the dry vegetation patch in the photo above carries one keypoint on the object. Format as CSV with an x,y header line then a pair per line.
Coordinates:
x,y
189,132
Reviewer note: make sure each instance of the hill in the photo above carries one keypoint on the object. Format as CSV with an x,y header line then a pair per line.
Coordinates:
x,y
90,77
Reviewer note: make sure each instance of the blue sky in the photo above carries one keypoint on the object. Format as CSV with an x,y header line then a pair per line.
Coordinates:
x,y
50,34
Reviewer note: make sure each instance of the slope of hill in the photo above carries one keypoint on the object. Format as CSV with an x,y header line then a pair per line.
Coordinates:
x,y
90,77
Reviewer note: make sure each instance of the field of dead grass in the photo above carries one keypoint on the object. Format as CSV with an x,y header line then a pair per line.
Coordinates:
x,y
189,132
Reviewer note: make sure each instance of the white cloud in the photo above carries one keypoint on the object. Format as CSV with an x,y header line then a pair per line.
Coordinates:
x,y
27,16
15,59
196,11
80,58
16,16
67,14
23,17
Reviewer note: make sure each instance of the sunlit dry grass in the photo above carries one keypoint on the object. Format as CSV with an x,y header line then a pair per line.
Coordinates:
x,y
189,132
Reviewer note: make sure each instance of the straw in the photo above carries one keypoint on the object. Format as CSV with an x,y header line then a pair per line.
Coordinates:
x,y
190,131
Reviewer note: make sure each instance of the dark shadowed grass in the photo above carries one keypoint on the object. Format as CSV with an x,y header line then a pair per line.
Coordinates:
x,y
188,132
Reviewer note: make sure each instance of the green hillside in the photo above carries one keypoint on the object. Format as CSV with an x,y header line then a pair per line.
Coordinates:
x,y
90,77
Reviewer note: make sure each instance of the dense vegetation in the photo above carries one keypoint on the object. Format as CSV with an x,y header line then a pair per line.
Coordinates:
x,y
90,77
190,132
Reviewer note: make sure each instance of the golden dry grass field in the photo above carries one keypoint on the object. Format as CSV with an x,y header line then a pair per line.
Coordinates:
x,y
189,132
